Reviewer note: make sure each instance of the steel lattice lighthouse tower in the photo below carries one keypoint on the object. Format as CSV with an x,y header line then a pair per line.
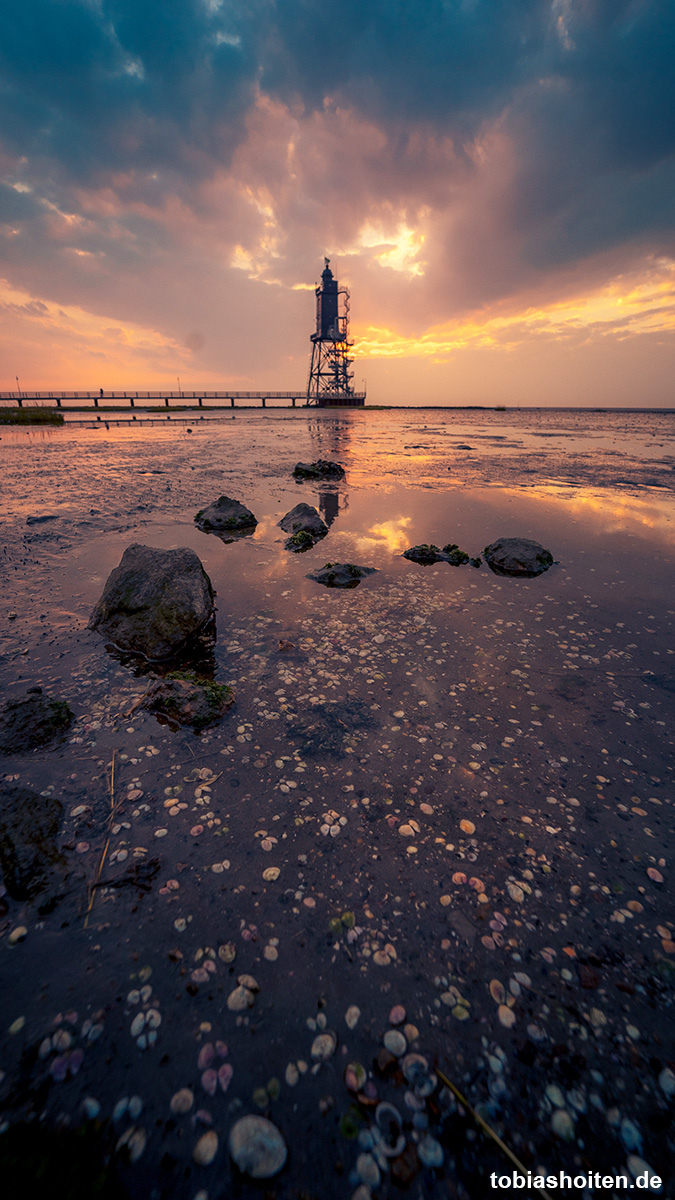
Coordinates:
x,y
330,377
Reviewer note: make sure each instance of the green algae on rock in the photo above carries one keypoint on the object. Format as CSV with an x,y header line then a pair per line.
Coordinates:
x,y
190,699
32,721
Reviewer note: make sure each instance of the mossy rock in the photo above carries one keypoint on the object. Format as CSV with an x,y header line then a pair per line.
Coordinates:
x,y
32,721
190,699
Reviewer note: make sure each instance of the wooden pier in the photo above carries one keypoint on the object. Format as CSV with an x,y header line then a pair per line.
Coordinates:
x,y
182,399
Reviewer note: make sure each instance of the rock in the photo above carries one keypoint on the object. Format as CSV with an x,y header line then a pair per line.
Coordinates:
x,y
226,516
341,575
321,469
32,865
395,1042
305,527
518,557
257,1147
240,999
32,721
40,518
425,554
154,602
190,699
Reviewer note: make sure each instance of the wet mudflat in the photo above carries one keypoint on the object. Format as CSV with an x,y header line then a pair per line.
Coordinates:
x,y
437,820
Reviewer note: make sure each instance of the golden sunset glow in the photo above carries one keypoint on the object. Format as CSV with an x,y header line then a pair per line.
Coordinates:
x,y
626,307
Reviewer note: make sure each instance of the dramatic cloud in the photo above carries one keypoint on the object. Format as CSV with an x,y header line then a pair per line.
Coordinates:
x,y
181,168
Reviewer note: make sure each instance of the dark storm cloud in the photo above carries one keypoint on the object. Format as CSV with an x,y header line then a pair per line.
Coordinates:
x,y
153,98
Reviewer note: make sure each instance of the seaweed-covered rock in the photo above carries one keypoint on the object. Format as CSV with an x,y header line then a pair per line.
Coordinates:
x,y
426,554
305,527
341,575
32,721
518,557
154,602
226,516
323,468
190,699
32,865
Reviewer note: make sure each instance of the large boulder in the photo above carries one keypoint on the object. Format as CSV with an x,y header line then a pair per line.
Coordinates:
x,y
518,557
305,527
341,575
154,602
32,865
323,468
226,516
33,720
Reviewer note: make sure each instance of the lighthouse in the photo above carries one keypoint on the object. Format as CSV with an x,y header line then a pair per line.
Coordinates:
x,y
330,375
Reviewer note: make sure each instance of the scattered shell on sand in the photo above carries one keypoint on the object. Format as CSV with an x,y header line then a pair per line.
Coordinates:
x,y
323,1046
257,1147
395,1042
397,1015
182,1101
240,999
206,1149
352,1015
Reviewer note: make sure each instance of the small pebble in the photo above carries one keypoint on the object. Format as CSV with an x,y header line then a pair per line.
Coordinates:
x,y
395,1042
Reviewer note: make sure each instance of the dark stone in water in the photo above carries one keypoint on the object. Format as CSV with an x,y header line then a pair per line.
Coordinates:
x,y
226,516
40,518
341,575
426,554
154,602
517,557
190,699
323,468
32,865
32,721
305,526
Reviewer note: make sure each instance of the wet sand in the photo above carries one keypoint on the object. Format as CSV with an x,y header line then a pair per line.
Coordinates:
x,y
442,790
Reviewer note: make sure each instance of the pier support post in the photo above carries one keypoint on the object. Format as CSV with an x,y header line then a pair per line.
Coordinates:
x,y
293,402
58,404
263,401
132,405
201,402
166,401
231,401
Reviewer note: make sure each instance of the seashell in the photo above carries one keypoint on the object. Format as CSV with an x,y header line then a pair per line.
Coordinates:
x,y
120,1108
136,1144
563,1125
137,1024
227,952
199,975
554,1094
397,1015
352,1015
153,1018
206,1149
221,1049
240,999
17,935
667,1082
210,1081
181,1102
426,1086
355,1076
459,877
292,1075
91,1108
249,982
507,1017
411,1033
206,1056
414,1067
516,893
270,874
323,1046
388,1135
257,1147
225,1074
630,1136
430,1152
368,1170
135,1107
497,991
395,1042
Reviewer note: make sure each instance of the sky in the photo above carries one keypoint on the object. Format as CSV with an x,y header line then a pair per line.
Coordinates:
x,y
494,180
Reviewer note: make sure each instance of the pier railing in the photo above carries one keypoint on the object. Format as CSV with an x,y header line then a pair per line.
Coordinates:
x,y
105,399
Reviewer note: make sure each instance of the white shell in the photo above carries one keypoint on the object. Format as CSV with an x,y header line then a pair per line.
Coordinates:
x,y
257,1147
